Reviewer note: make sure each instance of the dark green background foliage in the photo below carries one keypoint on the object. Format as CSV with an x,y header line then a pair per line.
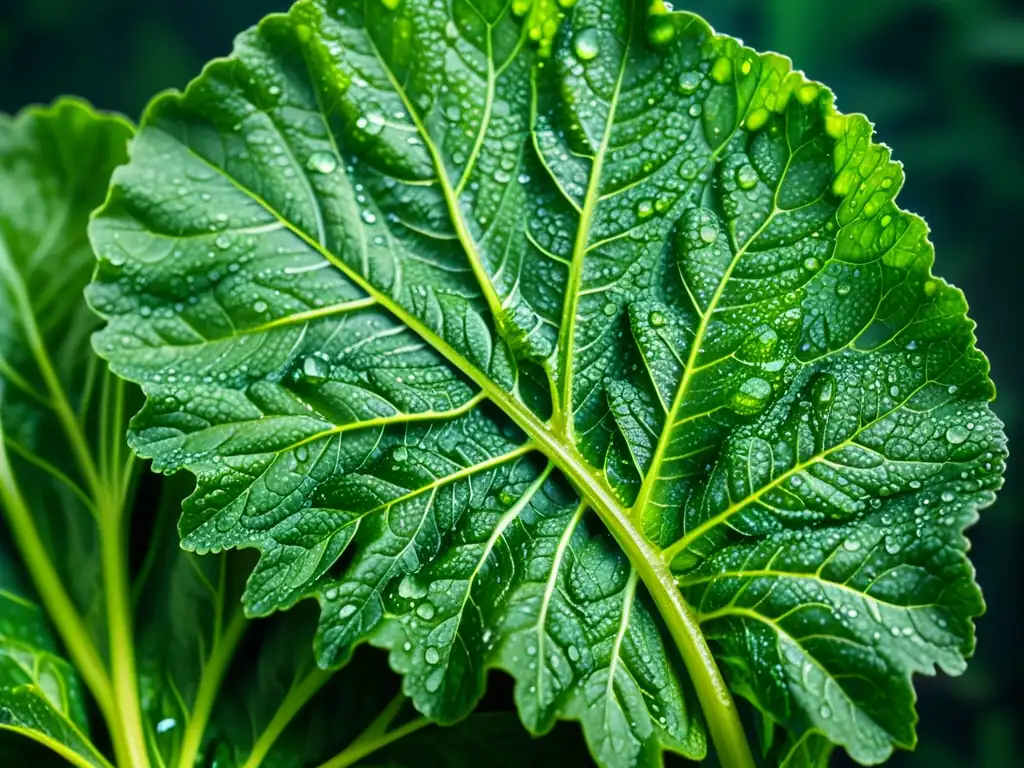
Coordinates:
x,y
941,79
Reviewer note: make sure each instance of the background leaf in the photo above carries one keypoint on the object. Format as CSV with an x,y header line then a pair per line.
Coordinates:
x,y
53,165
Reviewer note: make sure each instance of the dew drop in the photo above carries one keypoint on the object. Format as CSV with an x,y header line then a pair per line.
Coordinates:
x,y
721,70
656,319
610,309
432,656
660,30
752,396
425,611
746,177
689,82
223,242
410,589
372,123
851,545
688,170
957,434
260,306
811,264
807,93
825,390
314,369
346,611
645,209
843,289
709,233
757,120
585,44
401,453
322,162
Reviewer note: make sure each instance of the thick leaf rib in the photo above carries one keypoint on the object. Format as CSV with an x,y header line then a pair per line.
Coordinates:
x,y
356,267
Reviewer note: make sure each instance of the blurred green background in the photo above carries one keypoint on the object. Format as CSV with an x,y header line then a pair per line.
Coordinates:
x,y
942,79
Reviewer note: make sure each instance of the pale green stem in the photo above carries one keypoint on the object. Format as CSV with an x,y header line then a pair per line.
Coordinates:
x,y
361,747
384,719
209,686
294,701
58,603
124,713
117,591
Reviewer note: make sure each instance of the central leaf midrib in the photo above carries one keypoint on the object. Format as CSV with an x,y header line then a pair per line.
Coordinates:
x,y
713,693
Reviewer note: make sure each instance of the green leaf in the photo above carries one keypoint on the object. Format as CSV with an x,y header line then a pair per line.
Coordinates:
x,y
566,341
40,695
55,163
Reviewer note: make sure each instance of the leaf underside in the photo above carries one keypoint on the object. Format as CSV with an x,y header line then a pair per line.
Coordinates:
x,y
446,304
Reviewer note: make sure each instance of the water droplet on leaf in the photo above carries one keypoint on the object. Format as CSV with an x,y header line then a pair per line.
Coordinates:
x,y
314,369
752,396
746,177
957,434
585,44
322,162
689,82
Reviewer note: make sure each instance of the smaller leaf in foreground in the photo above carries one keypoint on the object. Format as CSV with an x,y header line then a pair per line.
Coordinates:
x,y
40,696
